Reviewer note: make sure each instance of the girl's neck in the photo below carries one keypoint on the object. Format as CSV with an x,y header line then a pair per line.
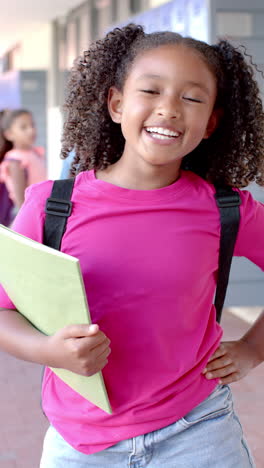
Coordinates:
x,y
132,178
20,147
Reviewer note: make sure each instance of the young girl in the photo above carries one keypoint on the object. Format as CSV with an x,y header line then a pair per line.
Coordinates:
x,y
21,164
154,120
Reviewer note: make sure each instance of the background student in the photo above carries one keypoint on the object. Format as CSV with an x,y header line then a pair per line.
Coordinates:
x,y
21,162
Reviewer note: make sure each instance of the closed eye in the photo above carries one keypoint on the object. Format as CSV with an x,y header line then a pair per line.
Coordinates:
x,y
191,99
149,91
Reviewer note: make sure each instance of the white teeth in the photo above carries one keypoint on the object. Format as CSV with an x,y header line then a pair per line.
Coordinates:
x,y
159,137
162,131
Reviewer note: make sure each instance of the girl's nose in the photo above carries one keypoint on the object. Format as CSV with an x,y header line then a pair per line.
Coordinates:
x,y
169,108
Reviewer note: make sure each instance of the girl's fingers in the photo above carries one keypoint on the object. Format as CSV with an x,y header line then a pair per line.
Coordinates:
x,y
221,351
218,363
230,378
103,353
223,372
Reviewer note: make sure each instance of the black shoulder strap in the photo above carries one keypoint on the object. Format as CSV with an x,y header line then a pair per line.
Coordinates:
x,y
58,209
228,202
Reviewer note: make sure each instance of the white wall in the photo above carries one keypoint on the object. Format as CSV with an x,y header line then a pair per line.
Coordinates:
x,y
54,132
34,51
155,3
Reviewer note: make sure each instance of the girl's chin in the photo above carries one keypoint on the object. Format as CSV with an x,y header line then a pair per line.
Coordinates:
x,y
162,162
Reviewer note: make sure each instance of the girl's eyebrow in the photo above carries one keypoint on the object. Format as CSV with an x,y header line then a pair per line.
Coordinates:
x,y
148,75
190,82
199,85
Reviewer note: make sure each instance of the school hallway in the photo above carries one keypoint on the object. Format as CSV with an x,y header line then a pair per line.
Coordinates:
x,y
23,424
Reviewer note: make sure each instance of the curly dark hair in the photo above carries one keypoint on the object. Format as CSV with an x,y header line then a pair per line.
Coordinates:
x,y
232,155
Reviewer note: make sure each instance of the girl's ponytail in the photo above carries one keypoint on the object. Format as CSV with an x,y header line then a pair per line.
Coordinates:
x,y
243,119
234,153
88,124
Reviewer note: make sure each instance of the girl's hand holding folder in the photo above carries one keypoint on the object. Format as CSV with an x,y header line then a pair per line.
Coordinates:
x,y
82,349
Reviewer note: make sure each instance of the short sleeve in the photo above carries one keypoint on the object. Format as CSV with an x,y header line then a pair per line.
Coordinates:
x,y
29,222
250,240
40,151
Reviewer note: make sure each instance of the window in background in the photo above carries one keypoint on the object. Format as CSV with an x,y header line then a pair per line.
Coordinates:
x,y
84,38
61,32
156,3
71,42
94,20
135,6
61,61
234,24
114,10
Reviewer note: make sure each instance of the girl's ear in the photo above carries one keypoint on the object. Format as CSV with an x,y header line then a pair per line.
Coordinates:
x,y
8,135
114,103
213,122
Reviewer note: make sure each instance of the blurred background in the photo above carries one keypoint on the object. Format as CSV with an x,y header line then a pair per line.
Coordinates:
x,y
38,43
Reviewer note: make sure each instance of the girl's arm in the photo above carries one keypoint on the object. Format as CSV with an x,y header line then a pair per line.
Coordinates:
x,y
255,338
16,182
234,359
79,348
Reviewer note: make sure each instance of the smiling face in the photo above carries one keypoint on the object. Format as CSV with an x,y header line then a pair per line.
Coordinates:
x,y
166,106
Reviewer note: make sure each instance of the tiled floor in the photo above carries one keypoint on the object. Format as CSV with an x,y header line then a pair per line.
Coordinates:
x,y
23,426
22,422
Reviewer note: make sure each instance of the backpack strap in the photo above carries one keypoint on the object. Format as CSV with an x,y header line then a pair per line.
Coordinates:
x,y
228,202
58,209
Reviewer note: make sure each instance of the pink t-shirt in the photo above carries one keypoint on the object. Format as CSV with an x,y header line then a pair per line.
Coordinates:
x,y
33,161
149,261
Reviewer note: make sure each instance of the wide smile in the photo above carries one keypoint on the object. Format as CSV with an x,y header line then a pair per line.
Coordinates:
x,y
162,135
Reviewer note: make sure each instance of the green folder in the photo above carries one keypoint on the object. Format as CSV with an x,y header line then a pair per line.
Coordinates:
x,y
46,286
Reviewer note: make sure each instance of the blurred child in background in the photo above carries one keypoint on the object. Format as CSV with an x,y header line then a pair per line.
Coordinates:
x,y
21,163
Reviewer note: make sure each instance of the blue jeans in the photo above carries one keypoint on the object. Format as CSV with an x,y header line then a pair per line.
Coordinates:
x,y
210,436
